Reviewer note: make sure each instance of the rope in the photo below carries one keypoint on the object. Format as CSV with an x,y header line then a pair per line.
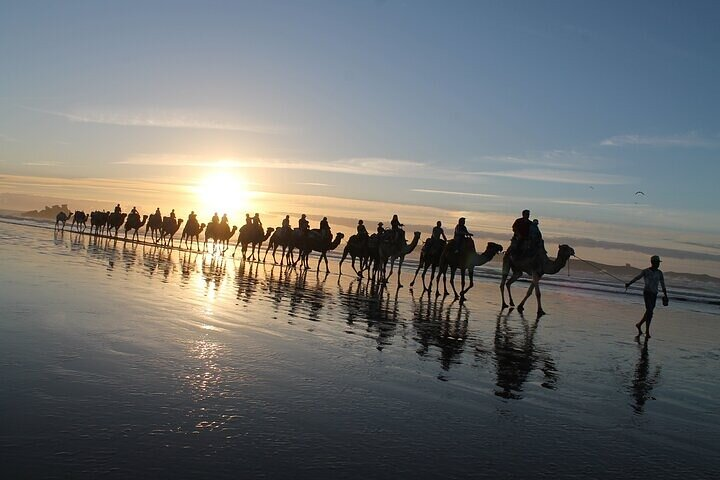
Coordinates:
x,y
599,269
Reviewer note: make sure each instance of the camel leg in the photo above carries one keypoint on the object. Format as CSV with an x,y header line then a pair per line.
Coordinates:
x,y
452,281
533,286
400,264
470,276
512,280
417,270
462,285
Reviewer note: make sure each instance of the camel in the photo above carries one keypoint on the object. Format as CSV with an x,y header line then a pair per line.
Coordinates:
x,y
168,229
429,257
192,230
115,221
220,233
62,217
153,225
98,220
356,248
279,238
536,266
466,259
391,251
316,241
79,219
134,223
251,235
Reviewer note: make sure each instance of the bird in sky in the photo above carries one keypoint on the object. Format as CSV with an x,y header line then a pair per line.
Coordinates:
x,y
640,193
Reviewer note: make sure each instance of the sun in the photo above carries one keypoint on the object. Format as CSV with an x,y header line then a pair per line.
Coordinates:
x,y
222,191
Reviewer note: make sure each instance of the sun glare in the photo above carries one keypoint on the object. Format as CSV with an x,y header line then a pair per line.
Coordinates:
x,y
222,191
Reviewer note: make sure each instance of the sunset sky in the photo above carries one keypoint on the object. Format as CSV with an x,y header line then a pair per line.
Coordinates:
x,y
438,109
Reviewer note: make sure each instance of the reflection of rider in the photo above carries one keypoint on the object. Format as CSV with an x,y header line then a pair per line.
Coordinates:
x,y
460,234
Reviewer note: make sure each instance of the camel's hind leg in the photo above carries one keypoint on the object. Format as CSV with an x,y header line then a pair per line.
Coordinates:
x,y
452,281
465,290
417,270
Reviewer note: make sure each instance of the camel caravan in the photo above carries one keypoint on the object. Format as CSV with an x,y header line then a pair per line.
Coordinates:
x,y
374,255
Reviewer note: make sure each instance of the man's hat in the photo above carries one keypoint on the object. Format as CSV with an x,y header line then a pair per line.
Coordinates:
x,y
380,224
655,258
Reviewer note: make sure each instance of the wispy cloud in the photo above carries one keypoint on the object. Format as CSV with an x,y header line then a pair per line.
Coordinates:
x,y
559,176
314,184
159,118
42,164
688,140
549,158
352,166
447,192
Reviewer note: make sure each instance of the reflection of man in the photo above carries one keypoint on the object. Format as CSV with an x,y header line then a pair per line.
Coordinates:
x,y
653,277
643,383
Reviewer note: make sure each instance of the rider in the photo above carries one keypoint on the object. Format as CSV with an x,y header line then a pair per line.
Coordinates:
x,y
157,213
134,211
118,209
460,234
286,224
437,233
395,224
256,221
172,214
521,232
362,232
304,225
192,218
380,229
224,219
535,236
248,220
215,218
325,227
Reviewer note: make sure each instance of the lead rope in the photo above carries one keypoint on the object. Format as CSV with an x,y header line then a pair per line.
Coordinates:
x,y
597,268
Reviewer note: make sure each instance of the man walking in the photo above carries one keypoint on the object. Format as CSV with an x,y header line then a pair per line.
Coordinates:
x,y
653,277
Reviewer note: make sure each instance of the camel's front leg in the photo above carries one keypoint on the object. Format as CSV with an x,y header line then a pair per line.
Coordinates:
x,y
400,264
533,286
452,281
420,265
513,279
465,290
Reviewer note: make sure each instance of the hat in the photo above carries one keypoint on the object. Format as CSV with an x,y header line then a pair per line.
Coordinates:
x,y
380,224
655,258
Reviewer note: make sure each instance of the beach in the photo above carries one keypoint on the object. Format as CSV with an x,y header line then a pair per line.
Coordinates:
x,y
121,360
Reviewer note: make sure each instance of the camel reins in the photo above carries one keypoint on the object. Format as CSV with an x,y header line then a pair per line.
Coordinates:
x,y
597,268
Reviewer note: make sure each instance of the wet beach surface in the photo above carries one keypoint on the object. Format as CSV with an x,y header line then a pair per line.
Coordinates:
x,y
122,360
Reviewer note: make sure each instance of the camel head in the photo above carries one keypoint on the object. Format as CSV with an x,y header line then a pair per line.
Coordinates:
x,y
565,251
494,248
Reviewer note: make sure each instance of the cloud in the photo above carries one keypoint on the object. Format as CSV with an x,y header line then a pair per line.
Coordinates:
x,y
689,140
42,164
314,184
550,158
559,176
446,192
158,119
352,166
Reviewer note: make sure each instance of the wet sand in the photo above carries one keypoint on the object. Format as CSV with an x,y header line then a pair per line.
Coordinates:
x,y
120,360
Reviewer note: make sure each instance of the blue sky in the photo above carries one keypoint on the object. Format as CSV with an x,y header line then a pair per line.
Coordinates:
x,y
567,108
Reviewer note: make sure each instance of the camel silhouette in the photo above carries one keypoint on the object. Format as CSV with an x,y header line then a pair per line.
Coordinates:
x,y
168,229
536,266
251,235
356,248
115,221
134,223
61,218
318,242
220,233
153,225
279,238
389,251
79,220
98,220
192,231
429,257
464,259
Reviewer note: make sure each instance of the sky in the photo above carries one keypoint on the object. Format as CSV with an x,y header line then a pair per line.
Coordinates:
x,y
435,109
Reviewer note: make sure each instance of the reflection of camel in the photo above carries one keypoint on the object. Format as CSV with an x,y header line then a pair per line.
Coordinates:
x,y
516,356
280,238
429,257
192,231
134,223
153,225
79,220
318,242
391,251
61,217
115,221
168,229
356,248
435,327
643,382
535,266
251,235
466,259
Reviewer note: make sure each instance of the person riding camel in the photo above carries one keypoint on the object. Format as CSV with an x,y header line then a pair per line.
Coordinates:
x,y
437,234
521,233
304,225
362,233
460,234
535,238
325,228
248,220
134,211
286,224
380,229
215,218
224,220
172,214
157,213
396,231
118,209
192,218
256,221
